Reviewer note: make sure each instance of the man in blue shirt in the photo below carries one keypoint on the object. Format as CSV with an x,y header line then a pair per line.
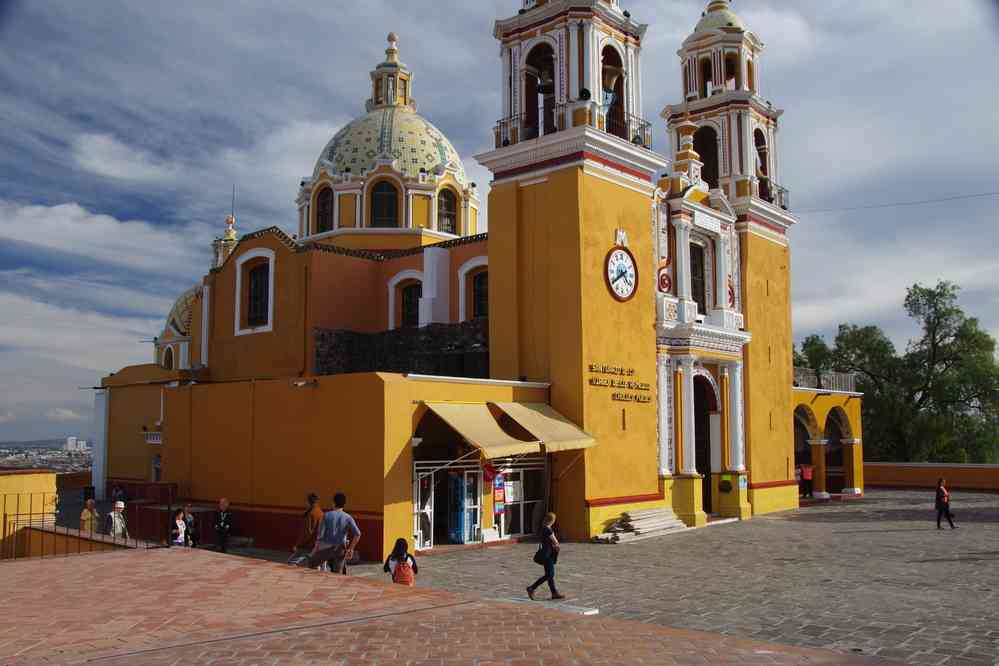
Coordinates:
x,y
337,537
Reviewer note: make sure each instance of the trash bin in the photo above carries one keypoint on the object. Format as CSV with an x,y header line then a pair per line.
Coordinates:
x,y
89,493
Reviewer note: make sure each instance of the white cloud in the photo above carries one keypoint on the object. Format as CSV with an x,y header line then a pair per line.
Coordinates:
x,y
7,417
104,155
98,292
139,245
63,414
78,338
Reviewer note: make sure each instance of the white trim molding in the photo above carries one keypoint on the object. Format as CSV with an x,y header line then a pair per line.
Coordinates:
x,y
269,255
483,382
393,283
466,268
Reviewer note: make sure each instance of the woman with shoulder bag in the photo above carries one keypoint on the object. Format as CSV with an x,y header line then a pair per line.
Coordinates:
x,y
547,556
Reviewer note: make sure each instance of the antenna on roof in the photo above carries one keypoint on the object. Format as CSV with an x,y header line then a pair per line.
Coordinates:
x,y
233,211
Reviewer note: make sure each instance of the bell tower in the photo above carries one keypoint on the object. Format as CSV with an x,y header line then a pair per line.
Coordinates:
x,y
571,247
737,129
588,71
726,137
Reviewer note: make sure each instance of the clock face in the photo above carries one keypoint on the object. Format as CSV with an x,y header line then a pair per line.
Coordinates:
x,y
622,274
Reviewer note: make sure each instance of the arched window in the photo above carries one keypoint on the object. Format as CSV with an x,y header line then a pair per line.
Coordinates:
x,y
258,296
168,358
447,212
411,294
385,205
761,152
613,99
324,211
733,72
480,295
539,92
707,77
706,145
698,277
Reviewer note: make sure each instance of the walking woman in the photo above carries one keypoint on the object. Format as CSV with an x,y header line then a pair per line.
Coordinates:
x,y
178,530
547,556
401,565
943,504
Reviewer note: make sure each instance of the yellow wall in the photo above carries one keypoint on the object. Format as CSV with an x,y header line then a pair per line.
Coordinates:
x,y
130,409
348,210
421,212
925,475
555,316
30,494
768,372
366,240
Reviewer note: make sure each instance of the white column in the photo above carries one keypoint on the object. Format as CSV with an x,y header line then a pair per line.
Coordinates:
x,y
682,276
722,272
737,443
588,59
664,375
505,83
435,303
743,70
637,76
336,210
206,293
573,60
409,209
689,430
99,465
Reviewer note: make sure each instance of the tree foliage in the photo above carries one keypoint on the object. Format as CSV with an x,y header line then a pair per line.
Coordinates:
x,y
939,400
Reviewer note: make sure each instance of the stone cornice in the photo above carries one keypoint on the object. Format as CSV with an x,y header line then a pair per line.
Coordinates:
x,y
584,142
539,16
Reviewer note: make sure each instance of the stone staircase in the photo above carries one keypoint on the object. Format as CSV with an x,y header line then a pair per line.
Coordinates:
x,y
638,525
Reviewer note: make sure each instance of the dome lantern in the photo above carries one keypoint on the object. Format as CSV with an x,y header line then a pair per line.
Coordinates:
x,y
391,80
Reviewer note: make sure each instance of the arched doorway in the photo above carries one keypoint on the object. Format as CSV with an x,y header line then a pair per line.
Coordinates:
x,y
805,430
706,146
539,92
707,438
613,99
837,429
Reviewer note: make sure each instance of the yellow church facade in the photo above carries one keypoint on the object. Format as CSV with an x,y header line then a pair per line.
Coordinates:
x,y
619,341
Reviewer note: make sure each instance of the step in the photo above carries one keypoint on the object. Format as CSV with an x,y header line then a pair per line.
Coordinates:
x,y
635,515
628,537
646,525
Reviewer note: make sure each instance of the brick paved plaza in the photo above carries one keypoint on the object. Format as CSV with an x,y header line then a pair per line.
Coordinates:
x,y
871,576
179,606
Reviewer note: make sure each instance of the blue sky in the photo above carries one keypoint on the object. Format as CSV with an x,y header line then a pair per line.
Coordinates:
x,y
124,126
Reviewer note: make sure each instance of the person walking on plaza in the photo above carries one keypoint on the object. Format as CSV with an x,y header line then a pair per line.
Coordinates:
x,y
117,525
400,565
943,504
178,529
223,525
311,519
806,479
190,524
337,537
547,556
89,517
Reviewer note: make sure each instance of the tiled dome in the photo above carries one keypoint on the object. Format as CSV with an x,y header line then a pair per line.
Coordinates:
x,y
182,312
397,132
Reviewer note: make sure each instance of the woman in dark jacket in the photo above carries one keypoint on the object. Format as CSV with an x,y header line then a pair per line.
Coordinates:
x,y
943,504
547,556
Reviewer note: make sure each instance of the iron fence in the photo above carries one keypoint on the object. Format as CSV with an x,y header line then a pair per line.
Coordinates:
x,y
52,525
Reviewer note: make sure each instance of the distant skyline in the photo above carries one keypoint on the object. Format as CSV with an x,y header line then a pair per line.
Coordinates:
x,y
126,125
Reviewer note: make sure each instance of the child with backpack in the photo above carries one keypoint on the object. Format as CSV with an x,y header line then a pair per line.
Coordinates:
x,y
401,565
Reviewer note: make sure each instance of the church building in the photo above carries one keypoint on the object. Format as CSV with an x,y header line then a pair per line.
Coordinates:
x,y
618,341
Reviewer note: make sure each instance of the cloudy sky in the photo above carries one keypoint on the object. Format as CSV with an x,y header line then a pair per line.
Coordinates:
x,y
123,126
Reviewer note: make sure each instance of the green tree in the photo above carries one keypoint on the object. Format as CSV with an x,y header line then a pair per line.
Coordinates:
x,y
816,356
939,401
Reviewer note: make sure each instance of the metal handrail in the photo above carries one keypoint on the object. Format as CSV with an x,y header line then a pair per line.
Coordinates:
x,y
555,118
773,193
830,381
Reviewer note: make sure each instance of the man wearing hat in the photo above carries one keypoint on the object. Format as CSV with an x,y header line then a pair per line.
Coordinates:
x,y
117,527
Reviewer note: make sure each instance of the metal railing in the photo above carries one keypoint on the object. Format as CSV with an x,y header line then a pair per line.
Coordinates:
x,y
49,525
554,118
630,128
776,194
829,381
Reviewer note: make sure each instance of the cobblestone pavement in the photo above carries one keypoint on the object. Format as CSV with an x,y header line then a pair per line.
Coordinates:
x,y
871,576
180,606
